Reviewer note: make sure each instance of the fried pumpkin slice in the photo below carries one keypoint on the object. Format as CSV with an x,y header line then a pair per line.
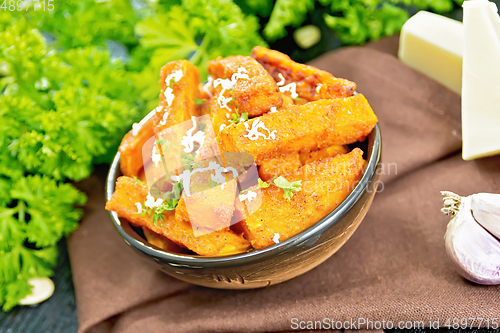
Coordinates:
x,y
287,100
219,116
311,82
161,241
214,243
128,192
308,156
325,184
311,126
279,166
255,92
130,149
179,82
289,163
203,107
183,80
209,210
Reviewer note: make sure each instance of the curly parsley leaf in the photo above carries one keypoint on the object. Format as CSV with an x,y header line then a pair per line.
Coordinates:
x,y
198,30
260,7
286,13
38,212
64,111
361,23
78,23
60,112
358,21
47,208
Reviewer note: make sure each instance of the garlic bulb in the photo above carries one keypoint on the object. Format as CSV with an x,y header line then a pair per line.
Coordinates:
x,y
473,235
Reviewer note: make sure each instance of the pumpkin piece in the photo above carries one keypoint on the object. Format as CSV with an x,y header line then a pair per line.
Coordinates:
x,y
254,95
311,83
175,225
308,127
325,184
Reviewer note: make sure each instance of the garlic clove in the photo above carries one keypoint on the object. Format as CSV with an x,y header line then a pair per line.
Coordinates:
x,y
474,251
486,211
42,289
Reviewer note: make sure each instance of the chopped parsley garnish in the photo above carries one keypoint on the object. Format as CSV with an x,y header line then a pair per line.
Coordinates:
x,y
281,182
288,187
263,184
187,160
157,213
167,205
199,101
175,193
237,118
138,181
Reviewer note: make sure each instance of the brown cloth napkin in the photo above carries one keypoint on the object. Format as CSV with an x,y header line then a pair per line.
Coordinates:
x,y
394,268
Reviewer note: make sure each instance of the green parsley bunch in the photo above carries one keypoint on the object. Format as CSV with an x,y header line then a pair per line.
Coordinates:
x,y
60,112
353,21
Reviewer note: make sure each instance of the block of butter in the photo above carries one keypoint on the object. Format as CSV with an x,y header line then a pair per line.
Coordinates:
x,y
433,44
481,80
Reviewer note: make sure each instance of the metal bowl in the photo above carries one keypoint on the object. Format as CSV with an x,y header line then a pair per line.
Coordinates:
x,y
276,263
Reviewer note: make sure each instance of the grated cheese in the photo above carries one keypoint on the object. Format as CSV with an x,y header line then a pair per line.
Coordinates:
x,y
175,76
222,126
292,88
276,238
219,178
136,128
250,195
155,156
189,139
282,80
254,134
207,85
318,88
169,95
274,109
169,92
228,84
223,102
139,207
163,121
241,74
151,202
